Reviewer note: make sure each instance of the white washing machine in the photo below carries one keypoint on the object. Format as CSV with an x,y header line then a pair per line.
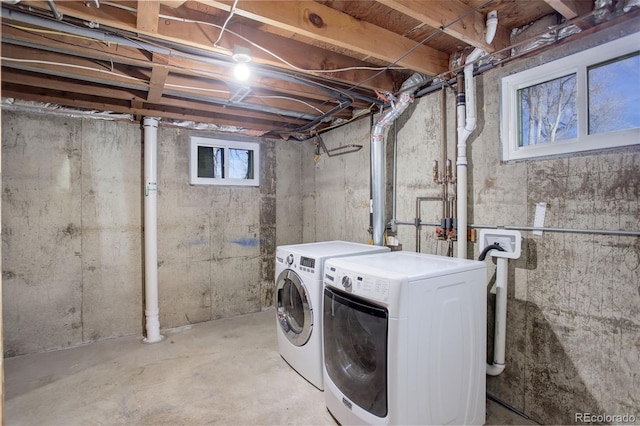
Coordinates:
x,y
299,301
405,339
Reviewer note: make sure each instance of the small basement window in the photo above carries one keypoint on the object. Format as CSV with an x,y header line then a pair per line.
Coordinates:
x,y
586,101
223,162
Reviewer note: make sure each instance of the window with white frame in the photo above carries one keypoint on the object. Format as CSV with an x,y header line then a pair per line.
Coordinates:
x,y
223,162
586,101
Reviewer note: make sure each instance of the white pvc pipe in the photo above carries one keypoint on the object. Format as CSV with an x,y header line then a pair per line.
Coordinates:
x,y
492,26
151,309
466,125
466,115
500,328
461,182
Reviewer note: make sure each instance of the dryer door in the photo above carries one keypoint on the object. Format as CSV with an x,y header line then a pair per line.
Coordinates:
x,y
355,349
294,307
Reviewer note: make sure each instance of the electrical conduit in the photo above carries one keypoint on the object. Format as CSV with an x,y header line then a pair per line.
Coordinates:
x,y
466,114
151,309
377,152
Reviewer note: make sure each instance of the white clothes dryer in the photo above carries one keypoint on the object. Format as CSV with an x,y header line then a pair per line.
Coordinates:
x,y
405,339
299,301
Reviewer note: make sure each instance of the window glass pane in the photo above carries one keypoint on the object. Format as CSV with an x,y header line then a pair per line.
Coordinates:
x,y
547,111
614,95
210,162
240,163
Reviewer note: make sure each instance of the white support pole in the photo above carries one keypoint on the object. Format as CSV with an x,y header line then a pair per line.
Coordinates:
x,y
151,310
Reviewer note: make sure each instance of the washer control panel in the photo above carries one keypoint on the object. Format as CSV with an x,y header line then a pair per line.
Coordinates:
x,y
299,263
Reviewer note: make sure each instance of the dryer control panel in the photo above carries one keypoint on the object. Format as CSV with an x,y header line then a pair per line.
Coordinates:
x,y
365,286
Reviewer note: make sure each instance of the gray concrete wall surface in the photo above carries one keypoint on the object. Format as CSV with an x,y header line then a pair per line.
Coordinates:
x,y
335,190
72,230
573,322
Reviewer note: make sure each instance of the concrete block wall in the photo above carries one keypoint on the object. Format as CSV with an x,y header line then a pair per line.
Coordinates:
x,y
73,226
573,322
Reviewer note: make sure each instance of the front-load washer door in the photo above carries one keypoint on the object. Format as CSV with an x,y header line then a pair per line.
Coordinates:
x,y
294,307
355,349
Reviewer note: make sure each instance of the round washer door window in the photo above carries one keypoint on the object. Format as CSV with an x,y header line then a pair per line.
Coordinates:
x,y
293,308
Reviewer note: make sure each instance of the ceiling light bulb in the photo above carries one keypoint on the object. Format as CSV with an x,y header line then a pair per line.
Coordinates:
x,y
241,71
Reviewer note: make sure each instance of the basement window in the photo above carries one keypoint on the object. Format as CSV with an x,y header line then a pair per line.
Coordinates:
x,y
586,101
223,162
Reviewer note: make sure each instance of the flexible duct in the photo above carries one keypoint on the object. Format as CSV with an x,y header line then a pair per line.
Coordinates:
x,y
151,309
466,113
378,152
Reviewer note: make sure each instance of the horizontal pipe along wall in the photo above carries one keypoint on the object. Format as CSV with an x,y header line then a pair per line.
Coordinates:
x,y
572,319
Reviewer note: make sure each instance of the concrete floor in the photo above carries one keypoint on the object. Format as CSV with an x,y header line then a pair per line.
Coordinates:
x,y
221,372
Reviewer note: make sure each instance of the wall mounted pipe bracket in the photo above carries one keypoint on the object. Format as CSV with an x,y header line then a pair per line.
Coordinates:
x,y
334,152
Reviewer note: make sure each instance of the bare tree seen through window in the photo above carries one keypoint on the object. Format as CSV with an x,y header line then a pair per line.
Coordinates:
x,y
548,111
614,95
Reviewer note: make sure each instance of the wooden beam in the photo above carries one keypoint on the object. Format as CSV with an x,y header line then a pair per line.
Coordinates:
x,y
156,84
147,16
172,3
301,55
570,8
327,25
33,79
470,30
136,98
203,36
181,68
124,107
64,65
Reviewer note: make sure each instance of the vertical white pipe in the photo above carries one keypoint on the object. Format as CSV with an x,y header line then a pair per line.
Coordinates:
x,y
500,328
151,309
466,125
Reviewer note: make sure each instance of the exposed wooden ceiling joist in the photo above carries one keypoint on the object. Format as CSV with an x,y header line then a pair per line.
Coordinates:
x,y
447,14
571,8
322,23
147,16
315,62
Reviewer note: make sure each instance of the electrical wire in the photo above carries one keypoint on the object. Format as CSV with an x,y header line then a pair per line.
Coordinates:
x,y
202,89
342,92
355,117
259,47
287,98
206,73
279,58
177,86
231,12
82,67
53,32
438,31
